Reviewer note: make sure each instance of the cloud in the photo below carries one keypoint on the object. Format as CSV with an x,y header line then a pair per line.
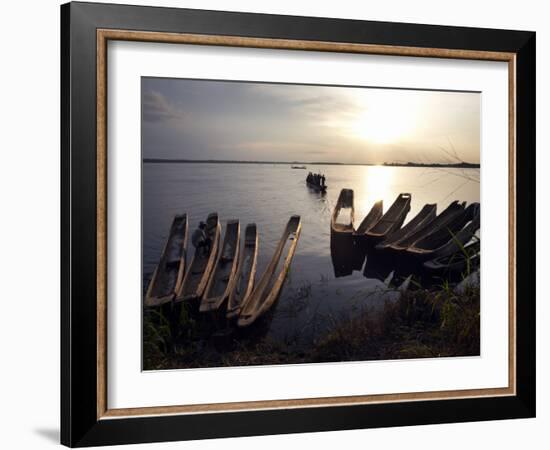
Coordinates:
x,y
158,108
241,120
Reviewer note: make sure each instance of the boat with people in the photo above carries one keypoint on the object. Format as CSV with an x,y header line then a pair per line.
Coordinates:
x,y
246,272
392,219
199,271
223,276
170,270
269,286
316,181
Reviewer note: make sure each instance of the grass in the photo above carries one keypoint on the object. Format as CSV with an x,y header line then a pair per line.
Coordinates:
x,y
422,323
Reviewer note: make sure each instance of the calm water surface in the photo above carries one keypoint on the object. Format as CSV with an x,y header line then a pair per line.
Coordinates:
x,y
312,297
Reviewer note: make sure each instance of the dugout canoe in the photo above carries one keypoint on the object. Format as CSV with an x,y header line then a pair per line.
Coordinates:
x,y
371,219
246,272
268,288
426,215
199,271
170,270
449,239
392,220
359,249
344,207
222,280
453,210
456,262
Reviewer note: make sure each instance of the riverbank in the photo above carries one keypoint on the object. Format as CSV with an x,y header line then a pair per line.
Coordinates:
x,y
421,324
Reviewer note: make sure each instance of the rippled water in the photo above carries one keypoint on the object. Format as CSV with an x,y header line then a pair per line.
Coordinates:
x,y
268,195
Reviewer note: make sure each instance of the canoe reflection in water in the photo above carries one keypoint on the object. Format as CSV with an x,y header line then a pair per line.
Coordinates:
x,y
429,246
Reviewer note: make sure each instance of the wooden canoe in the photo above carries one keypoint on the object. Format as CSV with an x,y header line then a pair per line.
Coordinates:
x,y
345,210
449,239
426,215
359,242
223,276
199,271
246,272
170,270
268,288
392,220
370,219
453,210
456,262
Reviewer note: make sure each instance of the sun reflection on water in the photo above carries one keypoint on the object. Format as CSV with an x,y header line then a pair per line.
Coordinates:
x,y
378,184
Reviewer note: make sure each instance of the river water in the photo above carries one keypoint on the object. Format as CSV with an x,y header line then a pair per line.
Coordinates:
x,y
267,194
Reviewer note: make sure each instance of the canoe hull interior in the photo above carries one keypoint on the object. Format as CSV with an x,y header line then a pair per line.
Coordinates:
x,y
200,269
268,288
223,275
391,220
463,261
449,214
449,239
374,215
168,274
343,216
426,216
246,272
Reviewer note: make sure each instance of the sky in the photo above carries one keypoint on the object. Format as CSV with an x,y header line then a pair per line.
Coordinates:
x,y
246,121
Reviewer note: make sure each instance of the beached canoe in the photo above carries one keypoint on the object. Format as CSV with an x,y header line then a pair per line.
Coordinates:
x,y
268,288
457,262
449,239
343,215
370,219
170,270
440,222
199,271
359,242
392,220
316,187
223,276
246,272
426,215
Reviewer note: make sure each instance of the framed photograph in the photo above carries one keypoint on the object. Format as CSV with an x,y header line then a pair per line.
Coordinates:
x,y
277,224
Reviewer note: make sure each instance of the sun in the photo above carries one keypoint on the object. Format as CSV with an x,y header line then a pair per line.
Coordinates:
x,y
383,121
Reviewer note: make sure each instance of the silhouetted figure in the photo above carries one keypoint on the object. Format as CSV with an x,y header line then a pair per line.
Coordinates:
x,y
200,239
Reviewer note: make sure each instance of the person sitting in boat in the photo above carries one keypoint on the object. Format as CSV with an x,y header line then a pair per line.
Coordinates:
x,y
200,239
